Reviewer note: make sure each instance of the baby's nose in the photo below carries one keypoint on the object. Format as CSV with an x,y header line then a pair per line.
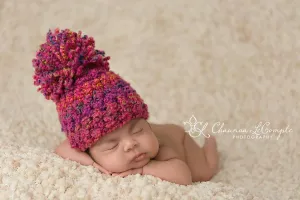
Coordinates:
x,y
130,144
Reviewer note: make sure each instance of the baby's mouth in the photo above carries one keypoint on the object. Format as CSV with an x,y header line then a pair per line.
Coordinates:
x,y
139,157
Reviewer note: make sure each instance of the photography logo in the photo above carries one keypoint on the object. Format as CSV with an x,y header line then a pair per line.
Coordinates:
x,y
196,128
261,131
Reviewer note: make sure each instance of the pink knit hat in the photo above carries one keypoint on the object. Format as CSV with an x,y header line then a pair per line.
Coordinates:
x,y
91,100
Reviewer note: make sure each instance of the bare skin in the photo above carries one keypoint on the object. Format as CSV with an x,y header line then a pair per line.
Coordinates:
x,y
169,153
203,162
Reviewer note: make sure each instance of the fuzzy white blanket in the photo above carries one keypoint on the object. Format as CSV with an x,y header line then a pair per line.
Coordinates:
x,y
233,62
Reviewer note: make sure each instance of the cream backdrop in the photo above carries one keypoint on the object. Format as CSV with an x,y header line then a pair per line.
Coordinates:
x,y
234,61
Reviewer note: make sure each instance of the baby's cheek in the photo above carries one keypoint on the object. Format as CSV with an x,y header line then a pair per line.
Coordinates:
x,y
115,164
152,144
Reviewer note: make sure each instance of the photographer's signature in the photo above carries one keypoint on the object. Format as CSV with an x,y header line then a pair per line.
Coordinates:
x,y
260,131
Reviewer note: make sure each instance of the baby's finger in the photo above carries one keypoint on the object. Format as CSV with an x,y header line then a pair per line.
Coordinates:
x,y
107,172
115,174
119,174
123,174
104,171
101,169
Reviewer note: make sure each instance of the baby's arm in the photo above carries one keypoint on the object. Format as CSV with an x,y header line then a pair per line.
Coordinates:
x,y
67,152
166,165
169,167
173,170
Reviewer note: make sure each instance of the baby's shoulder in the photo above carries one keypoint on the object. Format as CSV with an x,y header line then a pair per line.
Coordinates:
x,y
166,128
170,138
165,132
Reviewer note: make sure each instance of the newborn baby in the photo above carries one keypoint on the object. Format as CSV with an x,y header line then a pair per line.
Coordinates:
x,y
164,151
105,119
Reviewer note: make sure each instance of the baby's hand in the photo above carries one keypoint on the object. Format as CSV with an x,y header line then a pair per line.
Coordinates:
x,y
129,172
100,168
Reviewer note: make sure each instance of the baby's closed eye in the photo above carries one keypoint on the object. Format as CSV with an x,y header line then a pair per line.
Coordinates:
x,y
140,130
110,146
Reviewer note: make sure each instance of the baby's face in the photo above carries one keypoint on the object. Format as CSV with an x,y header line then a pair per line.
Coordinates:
x,y
117,150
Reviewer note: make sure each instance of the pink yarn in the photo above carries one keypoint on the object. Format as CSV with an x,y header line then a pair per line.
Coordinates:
x,y
91,100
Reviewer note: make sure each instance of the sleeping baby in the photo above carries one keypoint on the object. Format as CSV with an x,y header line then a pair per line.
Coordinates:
x,y
106,121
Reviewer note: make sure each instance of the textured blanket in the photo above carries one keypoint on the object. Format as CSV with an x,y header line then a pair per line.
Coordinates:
x,y
232,65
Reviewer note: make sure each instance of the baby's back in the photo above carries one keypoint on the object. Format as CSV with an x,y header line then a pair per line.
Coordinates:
x,y
176,143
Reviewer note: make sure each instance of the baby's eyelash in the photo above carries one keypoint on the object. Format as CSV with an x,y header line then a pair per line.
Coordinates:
x,y
113,147
140,130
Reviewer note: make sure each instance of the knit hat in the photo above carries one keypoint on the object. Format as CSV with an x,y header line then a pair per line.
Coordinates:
x,y
91,100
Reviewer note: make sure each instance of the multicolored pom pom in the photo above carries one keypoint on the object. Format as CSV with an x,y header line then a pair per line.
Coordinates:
x,y
62,59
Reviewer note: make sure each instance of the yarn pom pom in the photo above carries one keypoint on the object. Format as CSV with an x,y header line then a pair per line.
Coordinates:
x,y
63,58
